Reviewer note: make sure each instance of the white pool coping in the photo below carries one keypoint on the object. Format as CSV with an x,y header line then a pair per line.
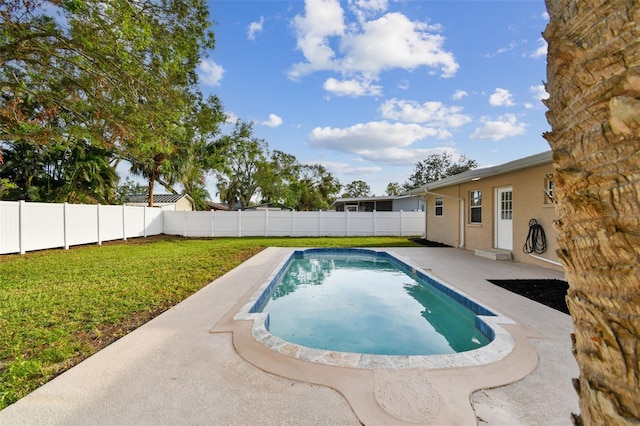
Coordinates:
x,y
501,345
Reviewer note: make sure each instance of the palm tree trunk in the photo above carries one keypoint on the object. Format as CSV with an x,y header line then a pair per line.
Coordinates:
x,y
152,183
593,68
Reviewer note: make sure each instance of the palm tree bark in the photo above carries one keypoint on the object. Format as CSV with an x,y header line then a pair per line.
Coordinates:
x,y
593,71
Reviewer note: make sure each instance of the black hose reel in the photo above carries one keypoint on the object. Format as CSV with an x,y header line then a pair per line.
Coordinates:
x,y
536,241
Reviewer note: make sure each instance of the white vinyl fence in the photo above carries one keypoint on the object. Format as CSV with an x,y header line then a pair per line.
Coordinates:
x,y
275,223
27,226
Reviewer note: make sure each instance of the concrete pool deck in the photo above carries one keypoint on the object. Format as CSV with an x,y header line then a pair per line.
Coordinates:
x,y
174,370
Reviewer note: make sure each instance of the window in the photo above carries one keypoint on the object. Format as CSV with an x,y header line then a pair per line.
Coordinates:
x,y
506,205
475,198
439,206
549,185
384,206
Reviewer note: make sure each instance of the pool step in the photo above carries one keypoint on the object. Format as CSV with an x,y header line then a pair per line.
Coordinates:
x,y
494,254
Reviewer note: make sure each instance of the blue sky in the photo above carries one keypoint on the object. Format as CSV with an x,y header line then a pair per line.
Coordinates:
x,y
370,87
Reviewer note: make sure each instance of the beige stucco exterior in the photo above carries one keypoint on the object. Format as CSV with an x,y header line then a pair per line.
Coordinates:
x,y
530,201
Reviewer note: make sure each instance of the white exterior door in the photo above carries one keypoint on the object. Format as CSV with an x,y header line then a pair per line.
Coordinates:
x,y
504,218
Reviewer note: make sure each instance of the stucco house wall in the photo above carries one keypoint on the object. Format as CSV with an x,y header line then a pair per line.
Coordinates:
x,y
529,202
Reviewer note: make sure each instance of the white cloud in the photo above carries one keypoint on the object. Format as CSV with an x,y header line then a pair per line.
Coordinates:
x,y
362,50
505,126
512,45
347,169
231,118
255,27
394,41
541,51
210,73
323,19
431,113
404,85
501,97
459,94
273,121
365,8
374,141
539,92
351,87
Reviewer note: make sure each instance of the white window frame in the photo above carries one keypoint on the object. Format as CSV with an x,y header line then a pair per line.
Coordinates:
x,y
439,204
549,186
475,203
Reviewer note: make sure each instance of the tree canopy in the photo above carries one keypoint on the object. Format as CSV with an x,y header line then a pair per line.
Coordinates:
x,y
272,177
113,77
436,167
357,188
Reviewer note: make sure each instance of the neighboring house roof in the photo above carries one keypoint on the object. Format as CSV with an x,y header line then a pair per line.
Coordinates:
x,y
477,174
158,198
269,206
217,206
379,198
354,199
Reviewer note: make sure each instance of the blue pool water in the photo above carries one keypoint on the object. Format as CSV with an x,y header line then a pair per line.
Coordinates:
x,y
367,302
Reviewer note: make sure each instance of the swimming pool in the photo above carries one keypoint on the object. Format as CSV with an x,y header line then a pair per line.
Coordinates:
x,y
364,302
484,340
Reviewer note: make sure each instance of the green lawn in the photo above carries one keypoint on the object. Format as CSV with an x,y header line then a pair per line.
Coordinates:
x,y
58,307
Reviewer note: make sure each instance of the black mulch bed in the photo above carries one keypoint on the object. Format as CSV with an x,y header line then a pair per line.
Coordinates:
x,y
428,243
551,293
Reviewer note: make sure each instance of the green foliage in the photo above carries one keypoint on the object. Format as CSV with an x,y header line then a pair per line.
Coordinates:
x,y
394,189
318,188
355,189
76,172
436,167
246,155
128,188
115,75
278,179
58,307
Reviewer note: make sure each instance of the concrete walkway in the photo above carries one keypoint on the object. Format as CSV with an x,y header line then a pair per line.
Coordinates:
x,y
173,370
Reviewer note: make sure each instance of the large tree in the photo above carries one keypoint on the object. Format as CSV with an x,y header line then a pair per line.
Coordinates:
x,y
436,167
279,179
355,189
117,74
246,156
593,71
318,188
394,188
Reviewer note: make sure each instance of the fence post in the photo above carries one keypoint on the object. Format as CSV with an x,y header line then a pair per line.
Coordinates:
x,y
402,223
320,223
374,223
98,223
347,223
124,224
21,212
65,227
184,228
239,223
293,223
144,222
266,222
213,223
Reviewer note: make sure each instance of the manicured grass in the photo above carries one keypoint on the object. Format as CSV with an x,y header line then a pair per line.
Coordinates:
x,y
58,307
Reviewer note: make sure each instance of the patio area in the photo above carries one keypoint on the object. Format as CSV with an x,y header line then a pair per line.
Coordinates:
x,y
175,370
